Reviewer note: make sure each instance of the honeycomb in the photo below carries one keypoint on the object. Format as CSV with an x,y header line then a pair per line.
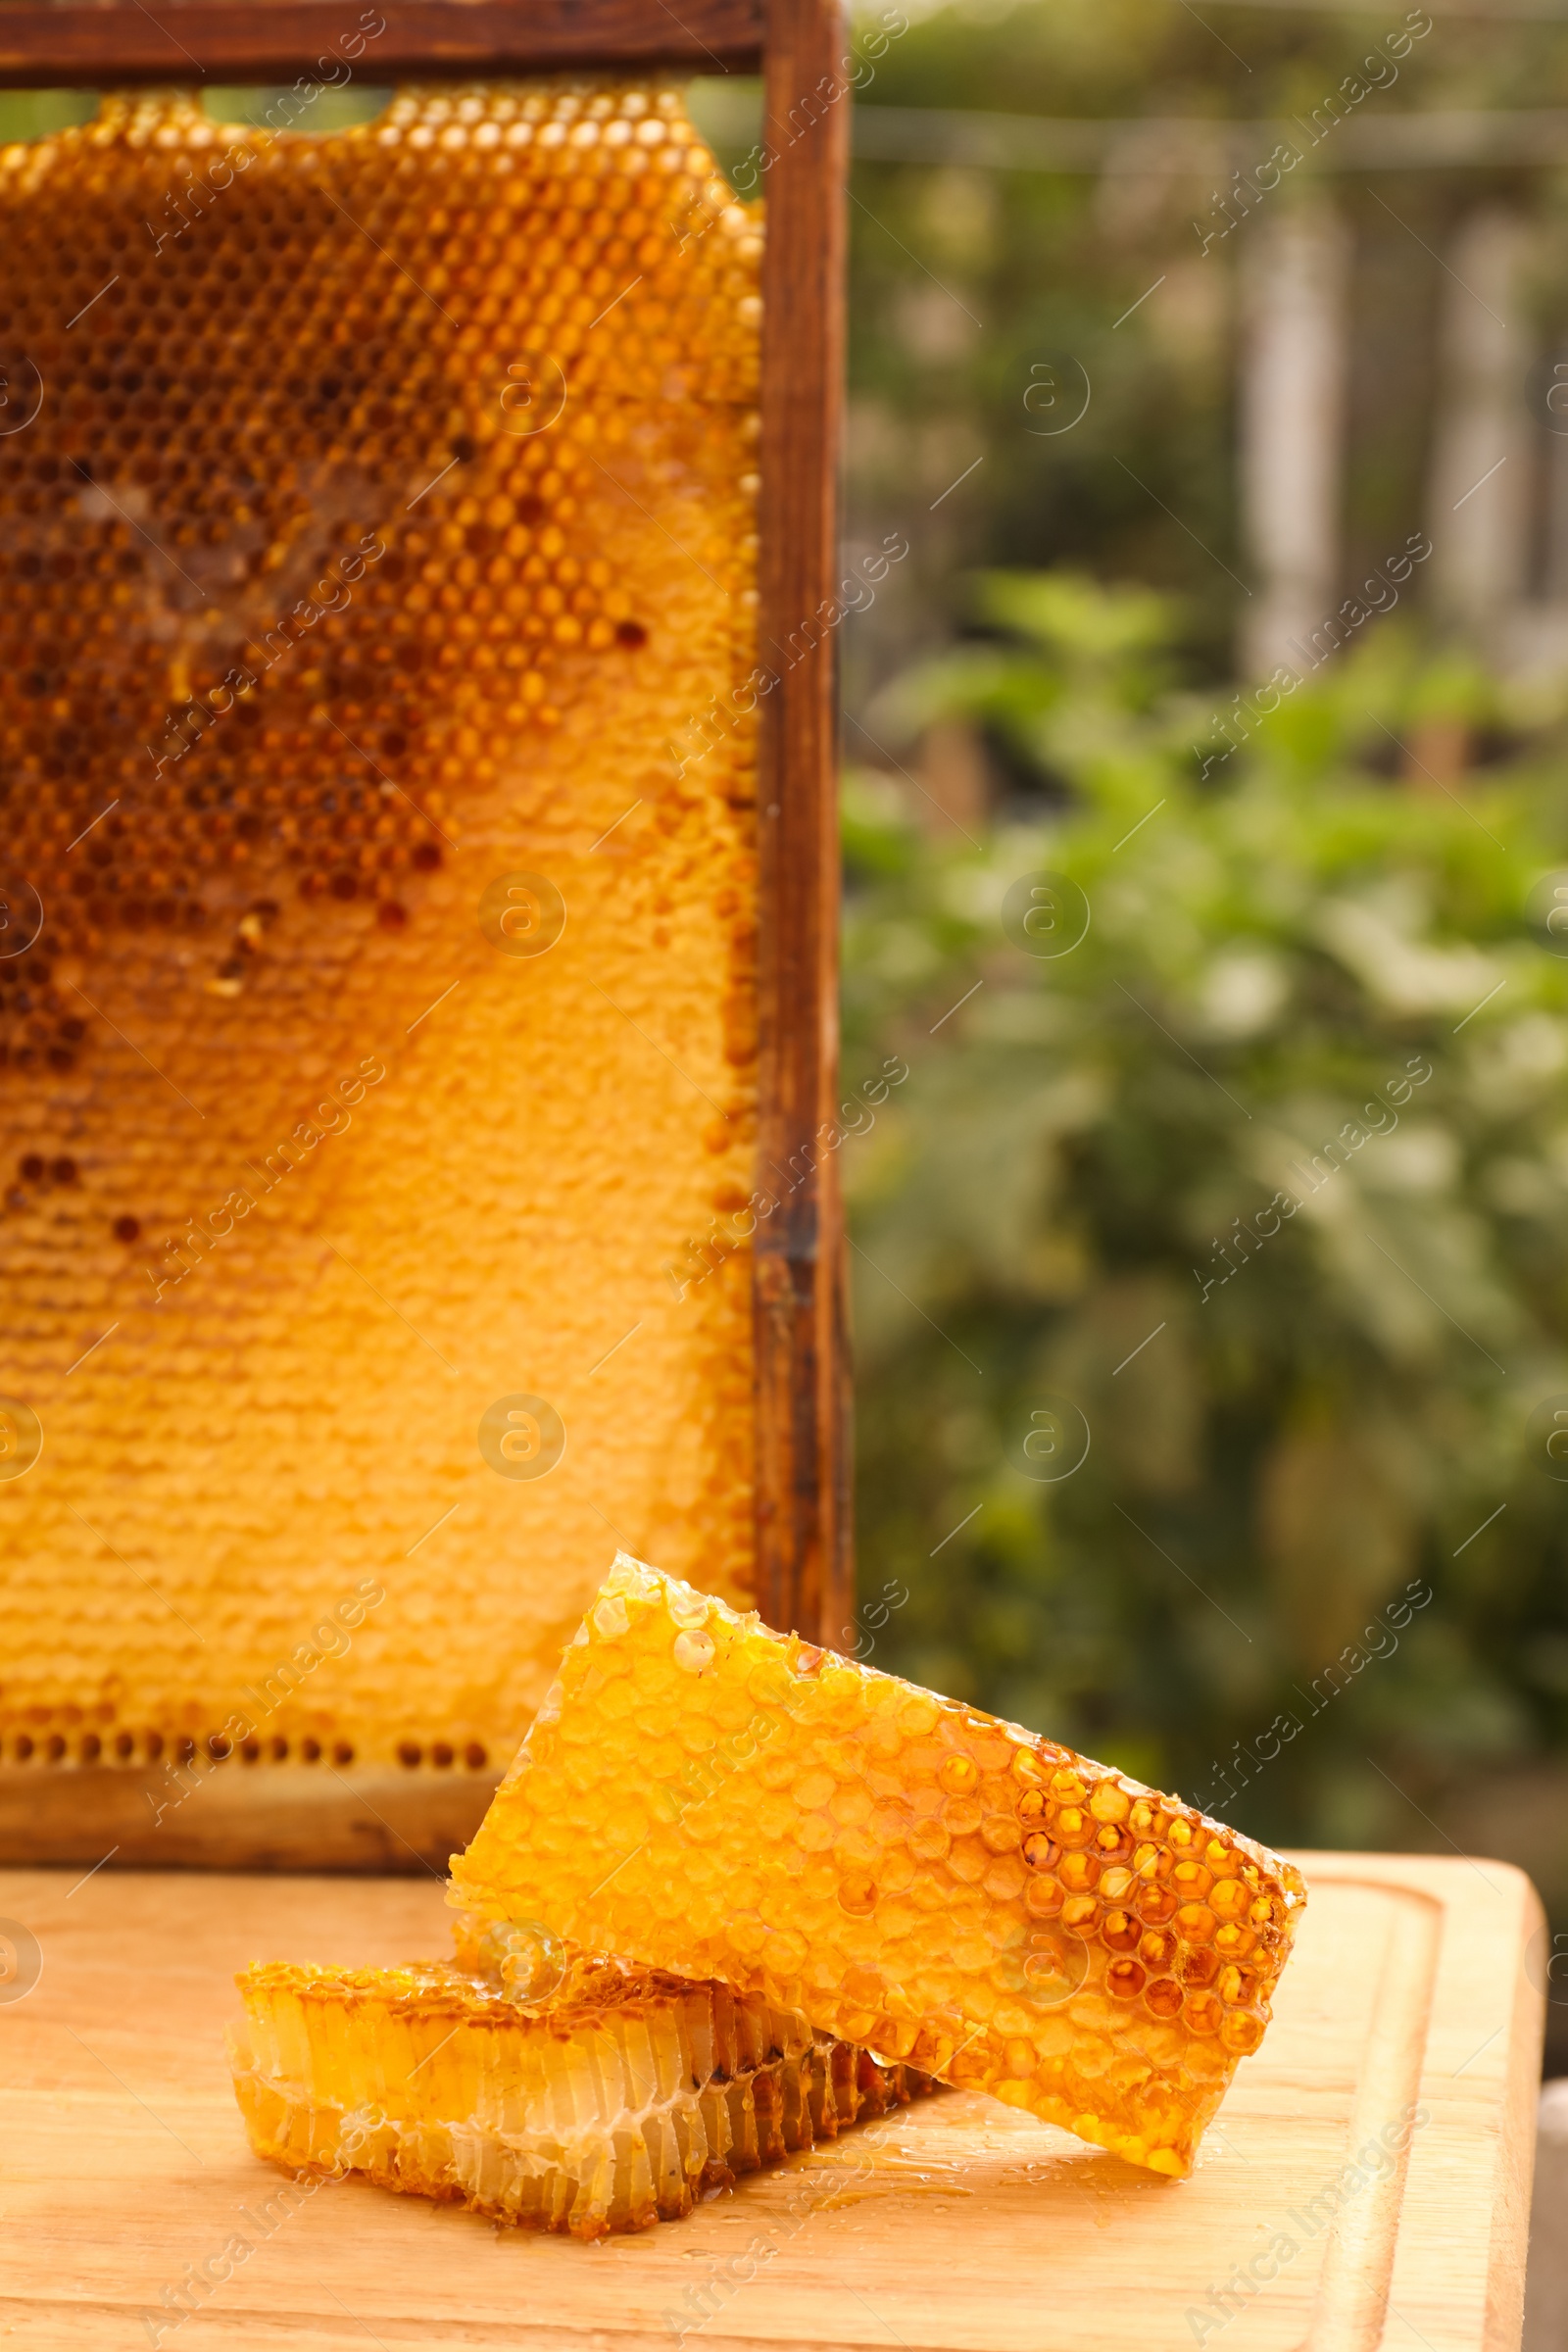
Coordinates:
x,y
699,1794
376,965
601,2098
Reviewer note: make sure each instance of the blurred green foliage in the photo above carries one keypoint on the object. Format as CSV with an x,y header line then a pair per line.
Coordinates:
x,y
1064,1197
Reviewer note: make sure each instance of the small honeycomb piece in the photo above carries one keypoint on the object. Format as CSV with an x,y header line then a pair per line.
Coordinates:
x,y
537,2085
700,1794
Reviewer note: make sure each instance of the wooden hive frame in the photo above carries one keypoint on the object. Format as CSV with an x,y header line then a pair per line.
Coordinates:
x,y
803,1498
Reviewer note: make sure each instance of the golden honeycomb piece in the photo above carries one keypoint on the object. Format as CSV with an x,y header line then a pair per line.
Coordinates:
x,y
377,911
581,2096
701,1794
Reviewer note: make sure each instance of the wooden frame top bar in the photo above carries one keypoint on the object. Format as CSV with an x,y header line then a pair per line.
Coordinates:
x,y
94,43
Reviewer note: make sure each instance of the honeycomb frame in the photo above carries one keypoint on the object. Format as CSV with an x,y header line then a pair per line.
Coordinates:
x,y
805,1567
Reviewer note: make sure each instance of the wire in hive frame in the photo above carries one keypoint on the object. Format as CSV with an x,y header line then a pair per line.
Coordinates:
x,y
803,1566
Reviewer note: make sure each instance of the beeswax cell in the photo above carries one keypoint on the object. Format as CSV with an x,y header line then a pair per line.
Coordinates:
x,y
700,1794
377,586
611,2100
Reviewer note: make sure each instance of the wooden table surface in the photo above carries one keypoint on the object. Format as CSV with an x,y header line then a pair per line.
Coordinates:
x,y
957,2225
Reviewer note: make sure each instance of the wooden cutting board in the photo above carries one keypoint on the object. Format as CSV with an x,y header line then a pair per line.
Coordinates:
x,y
956,2226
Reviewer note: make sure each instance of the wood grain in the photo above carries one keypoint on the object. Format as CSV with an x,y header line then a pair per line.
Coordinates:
x,y
958,2227
99,43
803,1543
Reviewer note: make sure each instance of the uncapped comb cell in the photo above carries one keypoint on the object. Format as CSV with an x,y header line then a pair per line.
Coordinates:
x,y
539,2086
700,1794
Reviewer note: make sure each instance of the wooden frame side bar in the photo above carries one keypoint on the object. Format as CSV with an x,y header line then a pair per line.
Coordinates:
x,y
106,43
803,1532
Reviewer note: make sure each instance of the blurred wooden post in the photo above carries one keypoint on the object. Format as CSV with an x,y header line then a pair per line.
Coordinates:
x,y
1294,359
1479,499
